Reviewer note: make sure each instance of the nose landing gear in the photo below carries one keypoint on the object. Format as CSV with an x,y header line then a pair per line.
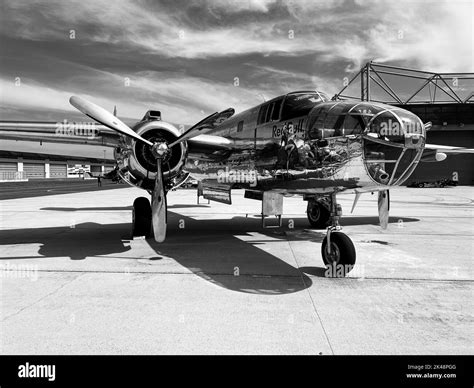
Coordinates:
x,y
338,251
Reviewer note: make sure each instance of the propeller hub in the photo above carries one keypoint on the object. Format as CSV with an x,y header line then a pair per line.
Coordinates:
x,y
160,150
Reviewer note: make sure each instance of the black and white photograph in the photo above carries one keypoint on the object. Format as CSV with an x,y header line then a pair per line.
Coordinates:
x,y
245,178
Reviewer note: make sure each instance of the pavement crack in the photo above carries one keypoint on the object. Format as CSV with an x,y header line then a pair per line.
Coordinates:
x,y
311,298
40,299
198,273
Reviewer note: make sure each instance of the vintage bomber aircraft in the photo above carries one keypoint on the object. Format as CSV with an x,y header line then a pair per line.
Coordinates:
x,y
297,144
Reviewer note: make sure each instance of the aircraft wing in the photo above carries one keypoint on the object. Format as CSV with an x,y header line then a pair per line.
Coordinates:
x,y
449,149
88,141
67,133
438,153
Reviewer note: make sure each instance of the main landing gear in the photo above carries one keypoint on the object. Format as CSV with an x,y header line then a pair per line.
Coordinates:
x,y
318,213
141,218
337,250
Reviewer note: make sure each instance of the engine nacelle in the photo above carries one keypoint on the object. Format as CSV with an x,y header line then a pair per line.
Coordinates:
x,y
137,165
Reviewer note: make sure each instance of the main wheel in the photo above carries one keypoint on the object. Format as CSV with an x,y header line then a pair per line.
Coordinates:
x,y
141,217
318,214
342,258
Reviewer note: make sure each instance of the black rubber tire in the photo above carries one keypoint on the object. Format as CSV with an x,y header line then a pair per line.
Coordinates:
x,y
141,217
421,185
345,255
318,215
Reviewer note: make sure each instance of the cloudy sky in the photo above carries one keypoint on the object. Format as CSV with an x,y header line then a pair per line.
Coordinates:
x,y
191,58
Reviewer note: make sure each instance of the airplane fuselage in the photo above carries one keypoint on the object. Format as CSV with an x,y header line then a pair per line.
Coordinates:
x,y
301,143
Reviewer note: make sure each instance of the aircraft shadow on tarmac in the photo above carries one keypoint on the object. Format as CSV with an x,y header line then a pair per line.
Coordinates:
x,y
210,248
116,208
87,209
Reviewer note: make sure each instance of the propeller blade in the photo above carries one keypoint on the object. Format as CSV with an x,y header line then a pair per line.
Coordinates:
x,y
384,208
158,206
104,117
204,126
356,199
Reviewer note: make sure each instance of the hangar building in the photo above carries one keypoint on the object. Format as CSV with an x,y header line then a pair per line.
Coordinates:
x,y
445,99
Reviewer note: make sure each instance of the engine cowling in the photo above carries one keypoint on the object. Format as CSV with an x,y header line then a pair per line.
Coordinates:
x,y
137,165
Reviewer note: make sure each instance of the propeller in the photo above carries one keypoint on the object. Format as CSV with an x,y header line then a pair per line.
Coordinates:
x,y
158,200
104,117
384,207
356,199
160,151
204,126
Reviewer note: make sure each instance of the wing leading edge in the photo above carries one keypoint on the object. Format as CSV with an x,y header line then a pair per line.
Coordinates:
x,y
86,142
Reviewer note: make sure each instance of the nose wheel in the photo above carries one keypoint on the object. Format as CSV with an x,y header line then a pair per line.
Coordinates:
x,y
338,251
338,254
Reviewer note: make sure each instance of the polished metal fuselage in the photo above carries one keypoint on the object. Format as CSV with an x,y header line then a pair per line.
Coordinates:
x,y
282,156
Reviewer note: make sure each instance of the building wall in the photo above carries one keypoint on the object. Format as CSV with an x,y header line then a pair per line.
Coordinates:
x,y
11,170
34,169
14,169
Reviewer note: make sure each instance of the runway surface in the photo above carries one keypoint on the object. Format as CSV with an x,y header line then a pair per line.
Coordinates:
x,y
72,281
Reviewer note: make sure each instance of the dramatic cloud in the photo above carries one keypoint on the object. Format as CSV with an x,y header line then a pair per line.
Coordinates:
x,y
190,58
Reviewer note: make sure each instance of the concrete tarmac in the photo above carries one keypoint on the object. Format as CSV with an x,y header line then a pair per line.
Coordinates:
x,y
72,281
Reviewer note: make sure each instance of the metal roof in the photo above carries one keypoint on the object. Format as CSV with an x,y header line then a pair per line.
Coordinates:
x,y
399,85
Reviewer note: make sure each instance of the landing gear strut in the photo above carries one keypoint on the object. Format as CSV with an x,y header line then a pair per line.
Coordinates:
x,y
337,250
141,218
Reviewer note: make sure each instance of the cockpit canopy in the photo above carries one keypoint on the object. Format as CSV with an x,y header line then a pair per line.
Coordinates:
x,y
290,106
299,104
